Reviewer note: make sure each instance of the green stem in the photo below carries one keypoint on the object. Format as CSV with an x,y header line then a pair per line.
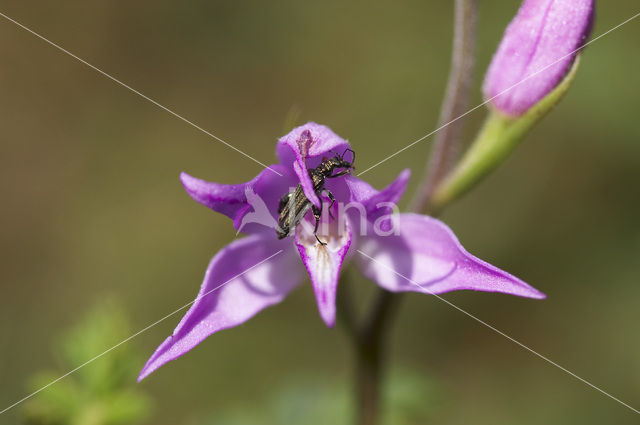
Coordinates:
x,y
370,357
480,159
496,140
371,338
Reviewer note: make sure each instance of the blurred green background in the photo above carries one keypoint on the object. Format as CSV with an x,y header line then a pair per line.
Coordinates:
x,y
92,206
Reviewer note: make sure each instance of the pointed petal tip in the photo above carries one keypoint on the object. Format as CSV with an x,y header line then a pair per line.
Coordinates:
x,y
518,288
141,376
157,359
528,292
326,302
427,257
537,295
328,314
329,318
146,370
149,368
239,283
185,178
193,186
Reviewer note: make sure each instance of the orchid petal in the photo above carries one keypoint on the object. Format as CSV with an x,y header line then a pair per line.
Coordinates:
x,y
426,257
377,203
264,192
304,147
323,262
241,280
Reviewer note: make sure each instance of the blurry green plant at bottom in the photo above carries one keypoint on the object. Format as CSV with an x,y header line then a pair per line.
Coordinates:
x,y
100,393
410,400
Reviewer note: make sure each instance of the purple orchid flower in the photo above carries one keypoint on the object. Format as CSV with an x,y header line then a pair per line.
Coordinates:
x,y
259,270
539,47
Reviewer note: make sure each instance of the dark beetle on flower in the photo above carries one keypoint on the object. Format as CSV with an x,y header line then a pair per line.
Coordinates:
x,y
294,205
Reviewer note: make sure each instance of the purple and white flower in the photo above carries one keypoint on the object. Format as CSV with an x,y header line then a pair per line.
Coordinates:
x,y
256,271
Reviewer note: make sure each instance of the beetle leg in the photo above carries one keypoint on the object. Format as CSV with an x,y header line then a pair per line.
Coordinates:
x,y
341,173
317,213
333,201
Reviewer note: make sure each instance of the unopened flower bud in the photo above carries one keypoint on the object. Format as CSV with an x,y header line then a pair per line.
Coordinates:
x,y
536,52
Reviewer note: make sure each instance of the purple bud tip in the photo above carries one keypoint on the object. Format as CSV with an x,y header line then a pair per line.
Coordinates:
x,y
537,50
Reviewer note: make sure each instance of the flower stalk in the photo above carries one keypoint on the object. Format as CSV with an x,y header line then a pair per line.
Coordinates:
x,y
371,339
499,136
370,356
455,103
